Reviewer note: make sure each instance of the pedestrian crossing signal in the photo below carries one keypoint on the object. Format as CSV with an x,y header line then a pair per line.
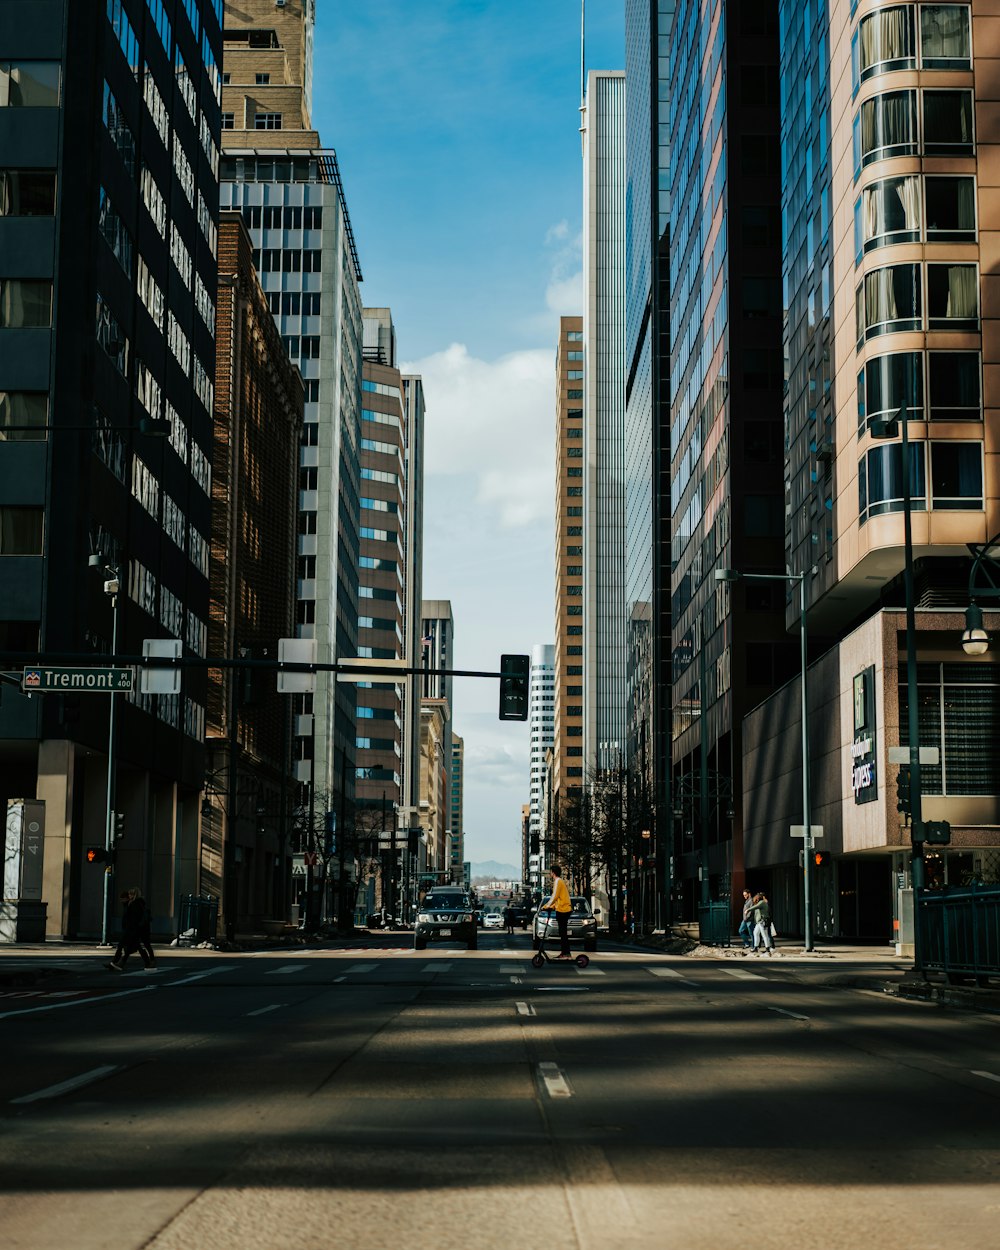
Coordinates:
x,y
96,855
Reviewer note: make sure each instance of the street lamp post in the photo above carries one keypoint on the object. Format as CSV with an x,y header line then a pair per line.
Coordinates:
x,y
733,575
112,587
881,430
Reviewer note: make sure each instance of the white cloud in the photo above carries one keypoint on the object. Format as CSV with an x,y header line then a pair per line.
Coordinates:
x,y
564,296
493,419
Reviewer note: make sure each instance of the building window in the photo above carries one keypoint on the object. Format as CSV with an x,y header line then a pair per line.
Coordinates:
x,y
887,212
951,208
27,192
574,336
885,126
20,408
945,37
25,304
575,375
267,121
884,41
948,129
29,84
961,699
957,476
953,297
880,480
888,300
574,492
228,120
954,383
885,384
261,80
21,531
226,79
574,394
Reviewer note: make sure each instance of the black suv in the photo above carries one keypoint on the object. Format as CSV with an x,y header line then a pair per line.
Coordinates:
x,y
445,916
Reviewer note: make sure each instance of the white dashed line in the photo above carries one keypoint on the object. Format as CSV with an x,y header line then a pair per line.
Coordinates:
x,y
671,972
64,1087
76,1002
362,968
591,972
285,969
741,975
524,1009
556,1084
261,1011
337,980
199,976
988,1076
794,1014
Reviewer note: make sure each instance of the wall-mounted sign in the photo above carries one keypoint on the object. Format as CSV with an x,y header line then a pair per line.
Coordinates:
x,y
864,780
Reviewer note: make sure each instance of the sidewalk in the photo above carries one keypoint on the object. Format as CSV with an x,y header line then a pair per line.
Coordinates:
x,y
840,965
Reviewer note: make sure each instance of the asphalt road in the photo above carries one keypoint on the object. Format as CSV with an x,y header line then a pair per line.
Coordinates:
x,y
382,1098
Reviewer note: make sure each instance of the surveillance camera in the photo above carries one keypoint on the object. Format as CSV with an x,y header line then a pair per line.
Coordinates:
x,y
111,586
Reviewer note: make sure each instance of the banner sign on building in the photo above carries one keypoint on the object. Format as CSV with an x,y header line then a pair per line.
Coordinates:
x,y
864,780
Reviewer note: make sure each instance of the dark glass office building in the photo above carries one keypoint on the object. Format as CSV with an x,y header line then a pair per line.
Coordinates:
x,y
648,25
729,644
109,132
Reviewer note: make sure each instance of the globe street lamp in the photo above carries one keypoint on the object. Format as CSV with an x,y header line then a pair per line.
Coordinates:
x,y
975,639
733,575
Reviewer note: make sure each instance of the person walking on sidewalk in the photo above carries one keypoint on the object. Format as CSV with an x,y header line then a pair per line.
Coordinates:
x,y
762,923
135,933
560,904
746,924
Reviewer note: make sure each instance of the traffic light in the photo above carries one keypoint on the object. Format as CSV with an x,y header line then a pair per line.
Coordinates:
x,y
903,789
514,671
118,827
937,831
821,858
96,855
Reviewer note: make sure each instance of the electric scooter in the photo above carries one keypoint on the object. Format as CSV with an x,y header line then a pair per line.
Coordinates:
x,y
541,957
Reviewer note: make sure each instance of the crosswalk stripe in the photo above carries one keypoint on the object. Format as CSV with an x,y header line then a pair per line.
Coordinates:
x,y
742,975
285,969
362,968
437,967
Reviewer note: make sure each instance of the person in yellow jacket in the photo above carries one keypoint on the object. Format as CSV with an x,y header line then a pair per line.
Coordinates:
x,y
560,904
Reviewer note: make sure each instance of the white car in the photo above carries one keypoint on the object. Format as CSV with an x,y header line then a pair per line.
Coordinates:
x,y
493,920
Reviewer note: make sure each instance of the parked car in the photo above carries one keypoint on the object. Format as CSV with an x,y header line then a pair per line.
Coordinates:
x,y
582,925
445,915
521,915
493,920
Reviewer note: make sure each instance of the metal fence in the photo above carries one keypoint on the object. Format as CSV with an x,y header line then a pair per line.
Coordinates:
x,y
959,931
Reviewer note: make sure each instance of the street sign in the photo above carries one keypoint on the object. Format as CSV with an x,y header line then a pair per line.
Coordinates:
x,y
310,859
79,680
799,831
928,755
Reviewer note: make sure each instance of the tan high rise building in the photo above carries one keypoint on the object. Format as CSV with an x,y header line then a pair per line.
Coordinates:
x,y
891,203
267,74
568,767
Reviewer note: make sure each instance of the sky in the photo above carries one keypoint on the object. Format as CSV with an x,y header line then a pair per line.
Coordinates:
x,y
456,127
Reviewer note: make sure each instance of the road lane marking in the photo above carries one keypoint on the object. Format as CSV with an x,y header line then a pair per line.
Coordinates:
x,y
524,1009
516,980
362,968
199,976
285,969
77,1002
261,1011
743,975
794,1014
337,980
591,972
564,989
508,968
988,1076
555,1081
671,972
437,967
64,1087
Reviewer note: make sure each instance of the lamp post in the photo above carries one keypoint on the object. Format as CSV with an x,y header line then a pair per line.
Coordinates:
x,y
733,575
112,587
882,430
975,639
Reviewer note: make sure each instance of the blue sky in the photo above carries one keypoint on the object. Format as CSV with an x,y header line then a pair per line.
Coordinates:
x,y
456,127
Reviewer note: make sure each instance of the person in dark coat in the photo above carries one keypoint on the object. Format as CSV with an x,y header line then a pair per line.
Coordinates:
x,y
508,919
135,933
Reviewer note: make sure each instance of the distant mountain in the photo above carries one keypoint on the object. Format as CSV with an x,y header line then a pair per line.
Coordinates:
x,y
496,872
